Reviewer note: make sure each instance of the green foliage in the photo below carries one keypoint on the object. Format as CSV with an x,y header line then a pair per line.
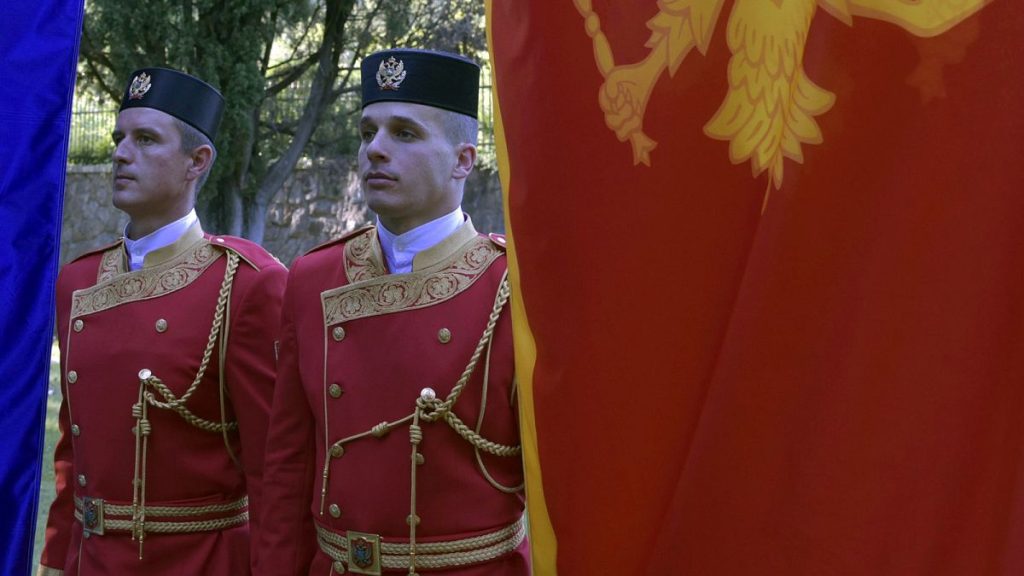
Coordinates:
x,y
92,121
95,150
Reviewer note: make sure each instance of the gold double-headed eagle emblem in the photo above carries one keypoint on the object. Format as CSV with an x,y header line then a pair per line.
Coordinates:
x,y
390,73
769,111
140,85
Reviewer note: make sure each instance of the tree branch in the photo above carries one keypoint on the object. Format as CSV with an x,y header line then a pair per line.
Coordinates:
x,y
288,78
92,58
329,53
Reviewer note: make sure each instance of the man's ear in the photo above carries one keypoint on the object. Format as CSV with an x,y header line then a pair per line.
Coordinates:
x,y
202,158
465,161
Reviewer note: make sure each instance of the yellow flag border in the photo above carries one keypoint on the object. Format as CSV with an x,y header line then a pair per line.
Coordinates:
x,y
543,544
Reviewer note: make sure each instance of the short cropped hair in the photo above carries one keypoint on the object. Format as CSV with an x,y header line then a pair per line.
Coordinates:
x,y
459,128
192,138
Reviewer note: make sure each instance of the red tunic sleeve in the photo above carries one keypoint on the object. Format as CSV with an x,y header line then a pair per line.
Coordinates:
x,y
250,372
285,544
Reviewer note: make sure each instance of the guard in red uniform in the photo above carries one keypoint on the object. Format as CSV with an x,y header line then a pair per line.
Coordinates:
x,y
394,444
167,341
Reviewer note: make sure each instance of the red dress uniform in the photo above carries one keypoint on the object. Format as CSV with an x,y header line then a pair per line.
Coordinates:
x,y
112,325
358,347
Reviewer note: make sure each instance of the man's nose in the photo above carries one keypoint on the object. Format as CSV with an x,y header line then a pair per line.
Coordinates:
x,y
375,148
121,154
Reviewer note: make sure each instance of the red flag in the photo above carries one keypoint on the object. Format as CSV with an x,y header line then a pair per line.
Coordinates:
x,y
767,260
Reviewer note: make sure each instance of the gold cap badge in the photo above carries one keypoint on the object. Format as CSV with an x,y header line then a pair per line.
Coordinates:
x,y
390,73
140,85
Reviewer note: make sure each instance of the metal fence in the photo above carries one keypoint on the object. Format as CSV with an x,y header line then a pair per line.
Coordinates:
x,y
93,121
91,125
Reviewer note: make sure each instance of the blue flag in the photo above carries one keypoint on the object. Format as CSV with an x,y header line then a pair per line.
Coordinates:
x,y
38,59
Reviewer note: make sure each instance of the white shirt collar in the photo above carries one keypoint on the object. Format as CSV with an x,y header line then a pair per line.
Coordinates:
x,y
169,234
399,250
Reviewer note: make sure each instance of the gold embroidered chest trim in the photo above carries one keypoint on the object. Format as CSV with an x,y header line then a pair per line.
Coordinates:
x,y
387,293
116,288
363,259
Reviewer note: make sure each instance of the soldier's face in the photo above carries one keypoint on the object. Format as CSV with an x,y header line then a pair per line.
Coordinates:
x,y
407,165
151,173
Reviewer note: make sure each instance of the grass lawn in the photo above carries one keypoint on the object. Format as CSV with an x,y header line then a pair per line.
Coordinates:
x,y
46,491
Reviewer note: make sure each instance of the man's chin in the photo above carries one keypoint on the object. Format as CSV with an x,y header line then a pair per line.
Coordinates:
x,y
120,201
380,204
124,202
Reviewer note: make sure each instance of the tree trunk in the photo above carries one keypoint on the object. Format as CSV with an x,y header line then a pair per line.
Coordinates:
x,y
338,12
233,212
255,220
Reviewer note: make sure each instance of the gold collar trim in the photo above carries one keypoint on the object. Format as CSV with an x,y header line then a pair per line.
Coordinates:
x,y
113,263
115,260
116,288
363,257
389,293
169,252
445,248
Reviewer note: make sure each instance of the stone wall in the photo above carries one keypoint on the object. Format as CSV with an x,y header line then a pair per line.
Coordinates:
x,y
318,202
90,221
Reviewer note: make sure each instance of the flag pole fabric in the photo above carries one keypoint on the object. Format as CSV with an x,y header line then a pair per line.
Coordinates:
x,y
769,310
38,59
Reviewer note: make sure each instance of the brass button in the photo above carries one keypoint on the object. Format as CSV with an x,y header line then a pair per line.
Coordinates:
x,y
334,510
72,376
444,335
79,325
339,566
81,479
335,391
338,333
75,430
161,325
337,451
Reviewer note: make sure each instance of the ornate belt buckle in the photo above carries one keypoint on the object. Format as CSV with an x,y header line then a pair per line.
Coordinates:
x,y
363,553
92,516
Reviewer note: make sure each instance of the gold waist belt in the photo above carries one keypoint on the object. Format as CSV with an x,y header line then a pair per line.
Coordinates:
x,y
98,516
363,553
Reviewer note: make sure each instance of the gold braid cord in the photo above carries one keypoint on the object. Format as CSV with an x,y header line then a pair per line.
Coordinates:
x,y
235,514
430,409
140,410
432,555
170,511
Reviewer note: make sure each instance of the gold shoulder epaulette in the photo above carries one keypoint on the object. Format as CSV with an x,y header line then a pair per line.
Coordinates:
x,y
498,240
